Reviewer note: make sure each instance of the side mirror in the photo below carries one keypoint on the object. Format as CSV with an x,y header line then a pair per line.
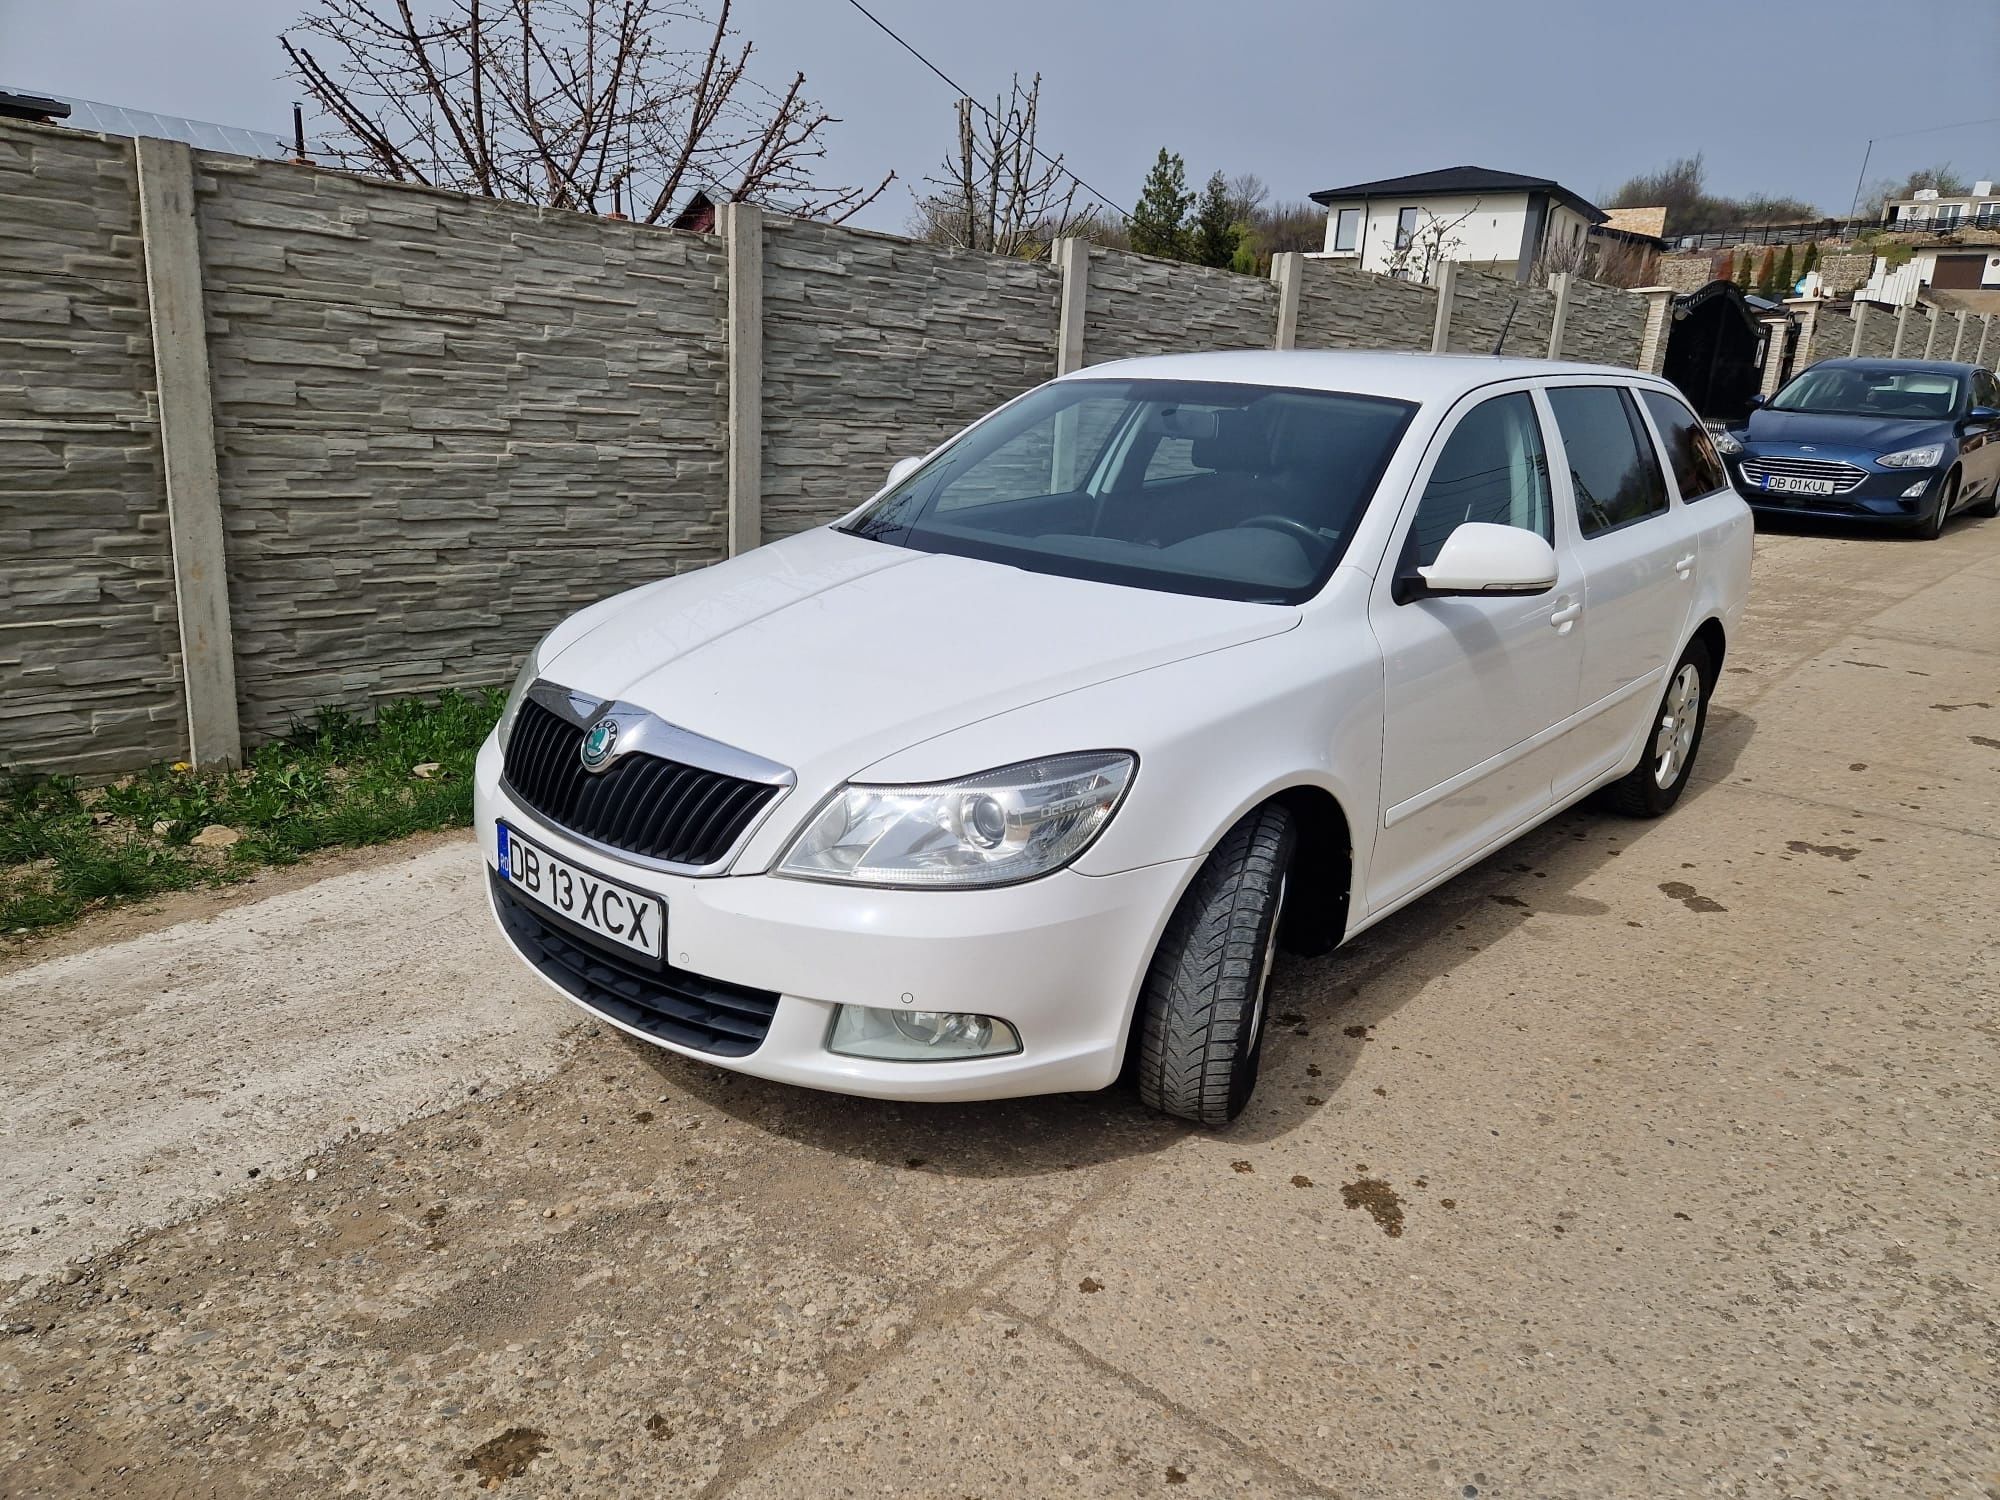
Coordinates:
x,y
1757,400
1983,415
902,469
1482,558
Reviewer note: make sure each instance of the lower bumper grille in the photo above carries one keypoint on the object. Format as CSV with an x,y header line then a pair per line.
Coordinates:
x,y
686,1009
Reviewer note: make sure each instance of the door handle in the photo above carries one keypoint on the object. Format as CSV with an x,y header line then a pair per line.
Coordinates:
x,y
1563,618
1684,565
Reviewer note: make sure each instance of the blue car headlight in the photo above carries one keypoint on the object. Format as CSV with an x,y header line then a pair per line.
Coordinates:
x,y
1927,457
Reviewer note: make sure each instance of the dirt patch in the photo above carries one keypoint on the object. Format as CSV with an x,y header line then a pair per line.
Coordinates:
x,y
506,1457
1842,852
1986,740
1381,1201
1691,898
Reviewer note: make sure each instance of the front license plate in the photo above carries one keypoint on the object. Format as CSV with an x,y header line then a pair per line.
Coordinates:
x,y
1785,484
626,917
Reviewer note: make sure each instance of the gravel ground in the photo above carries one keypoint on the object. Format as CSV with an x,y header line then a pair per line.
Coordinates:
x,y
1643,1159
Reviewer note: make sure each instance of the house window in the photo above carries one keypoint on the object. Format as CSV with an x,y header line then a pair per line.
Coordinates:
x,y
1406,228
1347,229
1947,214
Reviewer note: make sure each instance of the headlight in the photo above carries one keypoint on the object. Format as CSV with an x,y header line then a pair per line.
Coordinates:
x,y
1727,442
1914,458
522,681
1006,825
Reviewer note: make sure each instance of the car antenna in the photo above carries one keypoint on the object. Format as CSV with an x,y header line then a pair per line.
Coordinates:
x,y
1512,308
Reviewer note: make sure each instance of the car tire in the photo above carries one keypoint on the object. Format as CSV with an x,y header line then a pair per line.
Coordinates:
x,y
1990,506
1201,1011
1933,528
1653,786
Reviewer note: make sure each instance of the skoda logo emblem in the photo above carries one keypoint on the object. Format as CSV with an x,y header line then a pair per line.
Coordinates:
x,y
598,743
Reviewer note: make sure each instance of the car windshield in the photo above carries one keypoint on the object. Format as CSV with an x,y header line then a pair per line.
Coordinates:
x,y
1193,487
1872,391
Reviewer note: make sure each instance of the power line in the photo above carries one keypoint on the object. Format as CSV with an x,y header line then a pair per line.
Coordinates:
x,y
965,93
1855,206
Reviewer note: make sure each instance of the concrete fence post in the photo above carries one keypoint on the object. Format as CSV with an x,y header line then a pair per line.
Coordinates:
x,y
743,240
1930,334
1447,289
1288,270
1776,332
1902,329
1860,323
1073,260
1559,283
1957,334
1807,310
171,245
1985,328
1659,314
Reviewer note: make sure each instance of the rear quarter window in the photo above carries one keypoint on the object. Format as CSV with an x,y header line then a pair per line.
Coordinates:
x,y
1690,451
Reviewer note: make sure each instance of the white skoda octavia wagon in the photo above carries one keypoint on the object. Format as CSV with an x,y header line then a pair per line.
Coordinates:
x,y
1015,779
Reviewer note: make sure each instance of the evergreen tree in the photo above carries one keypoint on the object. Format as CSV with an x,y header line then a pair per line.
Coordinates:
x,y
1788,276
1767,272
1159,220
1811,261
1741,275
1215,233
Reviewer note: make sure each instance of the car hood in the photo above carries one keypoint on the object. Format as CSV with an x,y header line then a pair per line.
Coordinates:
x,y
1782,429
826,652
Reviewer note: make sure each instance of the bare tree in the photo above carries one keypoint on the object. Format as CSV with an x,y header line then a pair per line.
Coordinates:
x,y
997,191
578,104
1431,243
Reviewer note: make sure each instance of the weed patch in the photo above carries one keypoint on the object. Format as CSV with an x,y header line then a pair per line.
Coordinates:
x,y
335,781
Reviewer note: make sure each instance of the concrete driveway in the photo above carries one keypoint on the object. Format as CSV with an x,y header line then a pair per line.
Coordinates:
x,y
1644,1159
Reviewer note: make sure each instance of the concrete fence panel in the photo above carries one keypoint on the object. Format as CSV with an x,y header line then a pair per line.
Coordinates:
x,y
1605,326
90,677
877,348
1484,306
444,423
1342,308
1138,305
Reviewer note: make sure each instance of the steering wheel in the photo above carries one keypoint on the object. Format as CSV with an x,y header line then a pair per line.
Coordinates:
x,y
1296,529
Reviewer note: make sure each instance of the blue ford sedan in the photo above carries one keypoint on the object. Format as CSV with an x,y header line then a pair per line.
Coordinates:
x,y
1900,442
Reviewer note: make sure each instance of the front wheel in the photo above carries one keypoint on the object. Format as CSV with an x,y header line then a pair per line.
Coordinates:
x,y
1947,502
1656,783
1201,1013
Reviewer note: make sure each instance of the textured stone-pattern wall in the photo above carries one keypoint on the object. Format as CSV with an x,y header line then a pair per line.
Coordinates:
x,y
1843,272
443,424
1688,271
1484,304
1605,325
1342,308
1878,334
878,348
89,645
1139,305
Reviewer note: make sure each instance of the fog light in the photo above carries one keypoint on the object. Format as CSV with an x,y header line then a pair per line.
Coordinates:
x,y
1916,489
919,1035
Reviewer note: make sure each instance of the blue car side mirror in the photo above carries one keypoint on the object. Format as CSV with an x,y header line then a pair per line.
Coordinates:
x,y
1983,414
1757,400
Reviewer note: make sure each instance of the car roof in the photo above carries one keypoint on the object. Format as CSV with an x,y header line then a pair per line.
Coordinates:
x,y
1924,366
1407,377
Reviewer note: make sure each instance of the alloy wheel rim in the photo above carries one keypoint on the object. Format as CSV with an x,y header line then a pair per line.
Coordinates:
x,y
1673,740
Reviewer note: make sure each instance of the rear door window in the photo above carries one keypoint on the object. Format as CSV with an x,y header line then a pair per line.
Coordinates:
x,y
1690,452
1612,466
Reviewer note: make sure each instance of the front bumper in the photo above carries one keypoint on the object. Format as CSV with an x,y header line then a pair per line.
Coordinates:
x,y
1061,958
1879,498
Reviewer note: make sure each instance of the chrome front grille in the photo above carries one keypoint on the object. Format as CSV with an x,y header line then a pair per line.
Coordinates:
x,y
660,808
1844,476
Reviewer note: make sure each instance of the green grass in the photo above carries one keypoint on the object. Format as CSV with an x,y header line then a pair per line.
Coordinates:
x,y
336,781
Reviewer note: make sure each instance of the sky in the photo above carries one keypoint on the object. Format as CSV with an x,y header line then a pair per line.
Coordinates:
x,y
1305,93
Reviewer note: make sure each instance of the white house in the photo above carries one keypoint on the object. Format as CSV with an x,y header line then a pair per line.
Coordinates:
x,y
1929,209
1501,221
